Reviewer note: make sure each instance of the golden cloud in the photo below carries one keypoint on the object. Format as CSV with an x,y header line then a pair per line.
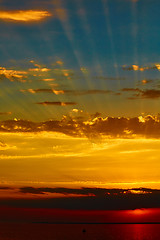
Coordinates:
x,y
24,15
141,68
38,69
12,75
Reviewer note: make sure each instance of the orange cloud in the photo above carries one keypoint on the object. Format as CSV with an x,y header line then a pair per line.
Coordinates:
x,y
12,75
141,68
39,69
24,15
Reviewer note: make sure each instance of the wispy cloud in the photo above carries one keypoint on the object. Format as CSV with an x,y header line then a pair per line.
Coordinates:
x,y
69,92
4,146
109,78
43,90
143,94
24,15
57,103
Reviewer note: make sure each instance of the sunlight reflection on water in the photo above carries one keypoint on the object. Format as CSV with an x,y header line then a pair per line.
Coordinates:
x,y
76,231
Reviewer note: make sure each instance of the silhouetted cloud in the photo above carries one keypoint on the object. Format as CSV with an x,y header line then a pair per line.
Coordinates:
x,y
57,103
89,199
5,188
130,90
97,192
150,93
69,92
145,94
112,127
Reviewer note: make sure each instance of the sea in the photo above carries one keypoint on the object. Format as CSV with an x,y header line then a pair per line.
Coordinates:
x,y
45,231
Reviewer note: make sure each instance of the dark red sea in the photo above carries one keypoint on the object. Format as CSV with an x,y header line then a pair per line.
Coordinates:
x,y
36,231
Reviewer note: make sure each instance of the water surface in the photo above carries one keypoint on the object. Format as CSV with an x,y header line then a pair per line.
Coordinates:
x,y
14,231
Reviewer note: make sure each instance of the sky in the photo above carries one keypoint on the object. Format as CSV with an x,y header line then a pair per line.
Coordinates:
x,y
79,108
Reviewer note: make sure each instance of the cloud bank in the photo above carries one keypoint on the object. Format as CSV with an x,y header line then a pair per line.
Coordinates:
x,y
89,199
111,127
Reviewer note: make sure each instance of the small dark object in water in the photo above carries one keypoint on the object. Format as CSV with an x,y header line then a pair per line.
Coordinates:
x,y
84,230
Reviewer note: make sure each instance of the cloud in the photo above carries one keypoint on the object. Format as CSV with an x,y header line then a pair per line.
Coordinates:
x,y
130,90
24,15
12,75
39,69
4,146
43,90
141,68
48,79
97,192
150,93
89,199
111,127
143,94
109,78
57,103
68,92
146,81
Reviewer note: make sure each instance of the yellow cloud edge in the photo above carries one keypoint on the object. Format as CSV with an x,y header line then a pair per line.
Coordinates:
x,y
24,15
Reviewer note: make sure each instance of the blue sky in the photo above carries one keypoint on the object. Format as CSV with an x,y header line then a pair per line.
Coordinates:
x,y
95,42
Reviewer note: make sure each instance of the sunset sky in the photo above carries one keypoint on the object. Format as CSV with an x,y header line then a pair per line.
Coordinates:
x,y
80,106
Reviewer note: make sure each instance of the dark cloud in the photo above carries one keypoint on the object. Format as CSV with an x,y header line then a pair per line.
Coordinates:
x,y
150,93
97,114
91,199
112,127
57,103
5,188
69,92
130,90
98,192
145,94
